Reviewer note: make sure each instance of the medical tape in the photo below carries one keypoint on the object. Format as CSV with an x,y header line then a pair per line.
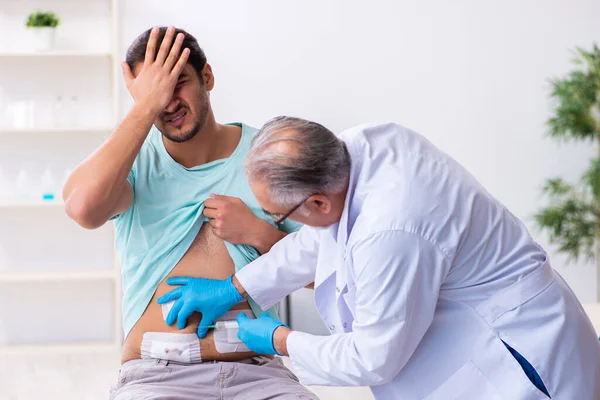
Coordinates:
x,y
226,340
180,347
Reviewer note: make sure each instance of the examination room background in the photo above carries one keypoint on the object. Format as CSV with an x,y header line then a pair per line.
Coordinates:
x,y
472,76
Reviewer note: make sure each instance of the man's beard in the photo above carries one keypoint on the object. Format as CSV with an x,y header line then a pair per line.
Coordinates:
x,y
200,122
184,137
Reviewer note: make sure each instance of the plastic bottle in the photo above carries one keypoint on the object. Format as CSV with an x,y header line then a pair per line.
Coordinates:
x,y
48,187
59,112
73,111
23,189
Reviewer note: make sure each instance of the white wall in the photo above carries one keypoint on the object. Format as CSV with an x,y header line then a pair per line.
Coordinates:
x,y
469,75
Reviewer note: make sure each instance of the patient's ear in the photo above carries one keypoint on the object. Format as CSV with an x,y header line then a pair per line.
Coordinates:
x,y
207,77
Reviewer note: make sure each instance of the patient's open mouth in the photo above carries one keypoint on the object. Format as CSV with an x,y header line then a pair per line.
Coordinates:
x,y
176,119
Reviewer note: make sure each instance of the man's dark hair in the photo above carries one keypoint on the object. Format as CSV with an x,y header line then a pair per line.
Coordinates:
x,y
137,51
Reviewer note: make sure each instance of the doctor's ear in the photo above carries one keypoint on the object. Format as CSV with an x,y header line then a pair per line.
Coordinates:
x,y
318,203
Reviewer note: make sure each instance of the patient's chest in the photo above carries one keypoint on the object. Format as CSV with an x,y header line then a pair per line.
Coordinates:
x,y
207,257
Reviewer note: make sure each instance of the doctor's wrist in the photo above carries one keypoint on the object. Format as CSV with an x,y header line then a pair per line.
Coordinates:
x,y
280,340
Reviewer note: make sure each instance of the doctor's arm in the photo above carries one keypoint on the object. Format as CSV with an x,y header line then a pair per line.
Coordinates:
x,y
398,276
289,265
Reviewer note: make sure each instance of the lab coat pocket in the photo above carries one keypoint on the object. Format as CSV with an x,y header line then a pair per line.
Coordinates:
x,y
467,383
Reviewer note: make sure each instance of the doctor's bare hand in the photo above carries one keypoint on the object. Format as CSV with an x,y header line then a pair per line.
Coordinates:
x,y
211,297
155,83
232,220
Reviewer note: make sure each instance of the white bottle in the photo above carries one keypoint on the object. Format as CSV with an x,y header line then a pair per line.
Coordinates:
x,y
58,114
48,187
73,112
23,189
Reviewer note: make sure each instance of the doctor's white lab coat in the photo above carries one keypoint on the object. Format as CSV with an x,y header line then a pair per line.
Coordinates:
x,y
421,282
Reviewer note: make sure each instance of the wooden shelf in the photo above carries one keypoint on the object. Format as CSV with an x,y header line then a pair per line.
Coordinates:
x,y
56,54
9,276
64,348
56,131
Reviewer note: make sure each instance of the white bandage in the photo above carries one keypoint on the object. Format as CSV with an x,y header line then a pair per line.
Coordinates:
x,y
166,308
226,340
180,347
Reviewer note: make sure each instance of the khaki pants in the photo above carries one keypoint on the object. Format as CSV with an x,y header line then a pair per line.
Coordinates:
x,y
253,379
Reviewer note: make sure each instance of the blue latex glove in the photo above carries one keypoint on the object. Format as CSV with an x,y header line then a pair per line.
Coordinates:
x,y
257,333
211,297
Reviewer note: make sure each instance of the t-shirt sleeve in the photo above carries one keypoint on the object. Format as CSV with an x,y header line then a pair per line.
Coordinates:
x,y
131,181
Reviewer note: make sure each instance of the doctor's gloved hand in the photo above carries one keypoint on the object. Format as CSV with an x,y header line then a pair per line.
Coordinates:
x,y
257,333
211,297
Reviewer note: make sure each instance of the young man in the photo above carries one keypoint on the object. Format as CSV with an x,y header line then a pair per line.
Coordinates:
x,y
155,177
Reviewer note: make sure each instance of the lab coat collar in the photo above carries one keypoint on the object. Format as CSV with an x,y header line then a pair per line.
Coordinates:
x,y
337,235
355,164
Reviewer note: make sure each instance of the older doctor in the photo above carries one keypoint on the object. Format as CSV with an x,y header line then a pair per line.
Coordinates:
x,y
430,287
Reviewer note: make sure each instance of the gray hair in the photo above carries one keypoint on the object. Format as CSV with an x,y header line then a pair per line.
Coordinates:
x,y
318,163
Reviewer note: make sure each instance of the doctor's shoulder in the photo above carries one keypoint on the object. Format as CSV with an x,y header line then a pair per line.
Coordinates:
x,y
370,128
393,208
383,210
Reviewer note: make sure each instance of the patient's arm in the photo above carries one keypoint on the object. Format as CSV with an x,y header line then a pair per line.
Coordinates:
x,y
232,220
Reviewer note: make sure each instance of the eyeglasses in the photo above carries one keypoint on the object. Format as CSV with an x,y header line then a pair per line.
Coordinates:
x,y
279,217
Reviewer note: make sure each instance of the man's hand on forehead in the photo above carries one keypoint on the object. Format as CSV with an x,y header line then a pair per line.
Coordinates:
x,y
154,84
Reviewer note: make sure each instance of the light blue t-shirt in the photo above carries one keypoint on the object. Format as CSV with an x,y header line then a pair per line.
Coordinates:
x,y
166,215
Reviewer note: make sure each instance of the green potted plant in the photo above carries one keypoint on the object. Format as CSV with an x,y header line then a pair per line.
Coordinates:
x,y
43,25
572,217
